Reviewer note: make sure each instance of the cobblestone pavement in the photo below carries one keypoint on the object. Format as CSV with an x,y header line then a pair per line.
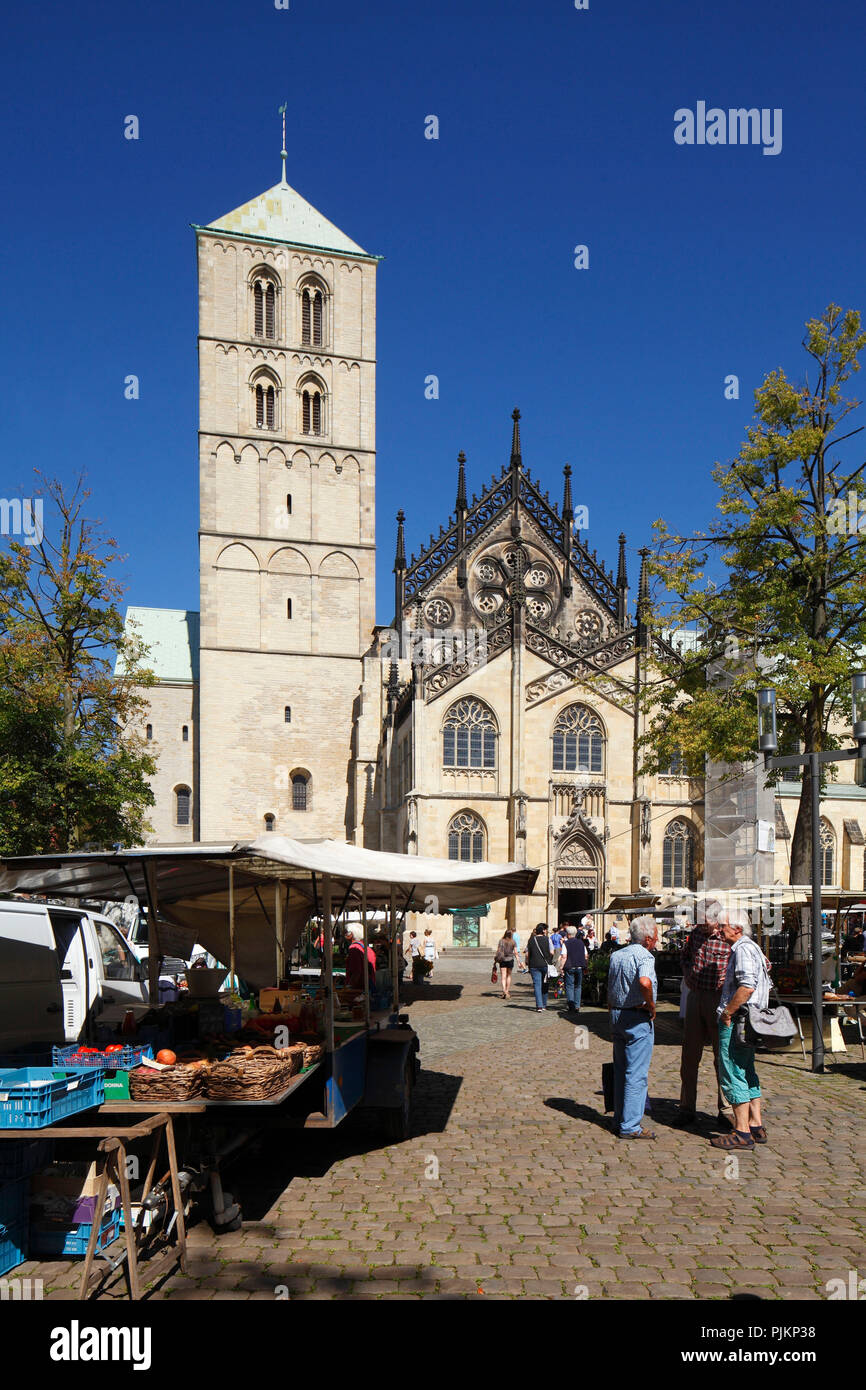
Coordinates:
x,y
513,1186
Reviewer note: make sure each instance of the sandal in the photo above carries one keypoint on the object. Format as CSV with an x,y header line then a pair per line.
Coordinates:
x,y
733,1140
759,1134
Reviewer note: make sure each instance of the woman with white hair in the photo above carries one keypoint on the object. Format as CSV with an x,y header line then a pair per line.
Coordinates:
x,y
355,958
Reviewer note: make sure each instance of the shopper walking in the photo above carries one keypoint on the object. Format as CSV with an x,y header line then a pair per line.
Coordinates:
x,y
415,958
747,981
631,998
506,954
538,960
705,957
573,964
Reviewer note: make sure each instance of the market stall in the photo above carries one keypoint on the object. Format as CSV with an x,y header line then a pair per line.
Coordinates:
x,y
307,1053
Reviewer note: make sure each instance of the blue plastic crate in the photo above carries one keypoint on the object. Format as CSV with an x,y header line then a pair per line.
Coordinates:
x,y
72,1059
13,1245
73,1240
21,1158
27,1106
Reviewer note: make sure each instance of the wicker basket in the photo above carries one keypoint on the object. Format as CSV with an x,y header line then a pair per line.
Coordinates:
x,y
313,1052
258,1075
180,1082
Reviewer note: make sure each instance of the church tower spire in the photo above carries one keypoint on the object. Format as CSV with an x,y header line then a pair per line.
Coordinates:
x,y
399,570
461,519
643,599
516,465
621,584
567,530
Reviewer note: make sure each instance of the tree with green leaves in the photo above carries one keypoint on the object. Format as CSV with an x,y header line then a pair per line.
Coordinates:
x,y
73,771
775,588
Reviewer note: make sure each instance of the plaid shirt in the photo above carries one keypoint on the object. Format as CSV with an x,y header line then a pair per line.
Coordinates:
x,y
705,960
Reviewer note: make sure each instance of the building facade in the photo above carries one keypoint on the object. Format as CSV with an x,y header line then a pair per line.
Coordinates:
x,y
497,715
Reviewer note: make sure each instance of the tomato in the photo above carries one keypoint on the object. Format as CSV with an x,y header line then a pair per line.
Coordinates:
x,y
114,1047
167,1057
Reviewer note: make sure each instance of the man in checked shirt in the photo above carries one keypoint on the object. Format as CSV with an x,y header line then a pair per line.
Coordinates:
x,y
705,959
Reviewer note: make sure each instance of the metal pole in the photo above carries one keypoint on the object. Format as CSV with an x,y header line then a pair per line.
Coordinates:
x,y
817,991
278,929
232,925
154,948
366,962
328,962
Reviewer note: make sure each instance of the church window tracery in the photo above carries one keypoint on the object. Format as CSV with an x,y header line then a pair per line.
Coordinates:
x,y
578,741
466,836
469,736
678,855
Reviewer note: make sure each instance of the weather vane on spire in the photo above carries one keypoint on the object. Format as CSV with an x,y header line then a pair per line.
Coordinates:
x,y
283,152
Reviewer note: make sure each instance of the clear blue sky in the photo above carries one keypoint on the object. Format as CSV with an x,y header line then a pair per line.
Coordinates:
x,y
556,128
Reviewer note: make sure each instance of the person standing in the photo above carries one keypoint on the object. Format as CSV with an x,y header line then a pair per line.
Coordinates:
x,y
747,981
415,957
355,959
538,958
631,997
429,952
506,954
705,957
573,962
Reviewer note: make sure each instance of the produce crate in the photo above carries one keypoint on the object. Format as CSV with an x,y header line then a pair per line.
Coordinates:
x,y
72,1240
13,1245
25,1105
72,1059
20,1159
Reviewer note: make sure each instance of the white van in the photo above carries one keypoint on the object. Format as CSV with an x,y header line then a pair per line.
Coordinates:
x,y
61,970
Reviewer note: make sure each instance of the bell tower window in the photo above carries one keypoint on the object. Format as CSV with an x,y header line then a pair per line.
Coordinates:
x,y
265,393
314,301
312,408
264,305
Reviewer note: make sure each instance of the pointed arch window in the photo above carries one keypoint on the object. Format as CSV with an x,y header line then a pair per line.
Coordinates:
x,y
466,836
678,855
578,741
828,852
265,290
469,736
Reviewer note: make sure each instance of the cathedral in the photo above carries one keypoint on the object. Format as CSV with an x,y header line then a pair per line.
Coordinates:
x,y
494,716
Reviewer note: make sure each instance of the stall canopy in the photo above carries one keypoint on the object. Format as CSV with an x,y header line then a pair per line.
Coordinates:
x,y
276,882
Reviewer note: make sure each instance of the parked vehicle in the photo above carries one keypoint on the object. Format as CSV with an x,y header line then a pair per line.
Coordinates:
x,y
61,969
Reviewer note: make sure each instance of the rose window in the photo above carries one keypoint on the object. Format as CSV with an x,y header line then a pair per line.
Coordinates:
x,y
537,608
488,602
538,577
487,572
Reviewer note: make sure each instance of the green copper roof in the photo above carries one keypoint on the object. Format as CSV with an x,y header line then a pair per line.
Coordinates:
x,y
172,634
281,214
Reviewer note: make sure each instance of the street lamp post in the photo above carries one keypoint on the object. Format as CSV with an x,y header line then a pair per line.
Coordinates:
x,y
768,744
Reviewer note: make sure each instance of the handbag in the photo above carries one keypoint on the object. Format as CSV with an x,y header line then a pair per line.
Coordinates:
x,y
494,974
769,1027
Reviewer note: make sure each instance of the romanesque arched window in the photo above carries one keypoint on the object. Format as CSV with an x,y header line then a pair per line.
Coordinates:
x,y
266,397
469,736
466,836
312,394
828,851
578,741
265,288
314,300
270,821
300,791
182,805
678,855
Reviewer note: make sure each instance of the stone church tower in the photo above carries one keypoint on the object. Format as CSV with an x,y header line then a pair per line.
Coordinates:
x,y
287,436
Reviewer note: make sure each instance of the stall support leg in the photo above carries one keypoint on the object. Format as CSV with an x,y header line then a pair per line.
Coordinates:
x,y
129,1232
176,1192
101,1194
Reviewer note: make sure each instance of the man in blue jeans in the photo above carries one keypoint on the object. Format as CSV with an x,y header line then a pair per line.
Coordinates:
x,y
631,998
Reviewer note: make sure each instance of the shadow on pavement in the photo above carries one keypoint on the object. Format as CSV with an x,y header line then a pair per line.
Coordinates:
x,y
410,994
575,1111
264,1169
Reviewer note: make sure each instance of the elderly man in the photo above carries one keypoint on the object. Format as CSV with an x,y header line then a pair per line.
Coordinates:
x,y
705,959
355,958
631,998
747,980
